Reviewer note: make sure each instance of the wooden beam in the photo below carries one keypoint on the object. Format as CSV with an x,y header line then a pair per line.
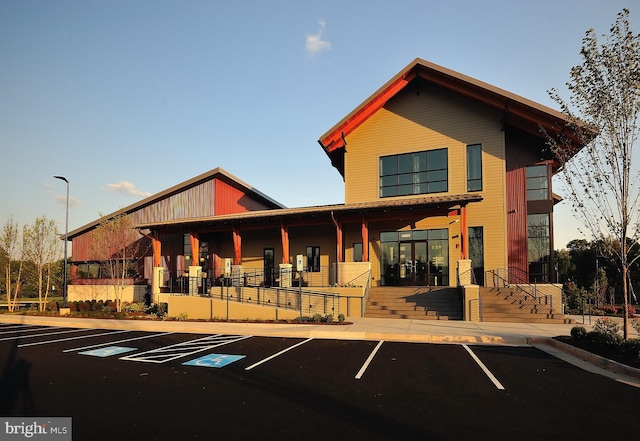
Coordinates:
x,y
464,240
365,240
237,246
195,248
156,245
284,233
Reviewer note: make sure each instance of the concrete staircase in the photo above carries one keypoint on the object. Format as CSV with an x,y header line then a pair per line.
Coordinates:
x,y
422,303
510,305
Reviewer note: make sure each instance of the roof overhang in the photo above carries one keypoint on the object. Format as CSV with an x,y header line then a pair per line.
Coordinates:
x,y
435,205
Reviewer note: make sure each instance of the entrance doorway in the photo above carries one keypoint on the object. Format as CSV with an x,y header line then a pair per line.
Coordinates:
x,y
415,257
413,265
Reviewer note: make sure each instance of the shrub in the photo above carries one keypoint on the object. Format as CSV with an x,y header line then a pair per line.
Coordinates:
x,y
606,326
605,333
317,317
630,349
636,325
328,318
159,309
604,339
340,318
182,316
611,310
578,332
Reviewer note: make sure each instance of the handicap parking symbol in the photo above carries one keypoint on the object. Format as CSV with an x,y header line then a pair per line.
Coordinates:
x,y
214,360
108,351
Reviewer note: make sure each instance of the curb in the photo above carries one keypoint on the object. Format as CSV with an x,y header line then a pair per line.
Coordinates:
x,y
601,362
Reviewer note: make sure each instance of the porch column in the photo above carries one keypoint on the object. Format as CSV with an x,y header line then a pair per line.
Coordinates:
x,y
284,233
156,246
195,269
339,256
365,240
195,247
237,246
464,241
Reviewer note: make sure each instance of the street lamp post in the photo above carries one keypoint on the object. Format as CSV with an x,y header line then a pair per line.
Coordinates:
x,y
66,238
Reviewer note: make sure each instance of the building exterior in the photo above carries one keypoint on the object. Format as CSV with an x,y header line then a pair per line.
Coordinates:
x,y
446,179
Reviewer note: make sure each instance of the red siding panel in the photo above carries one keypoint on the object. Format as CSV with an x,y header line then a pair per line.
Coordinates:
x,y
229,200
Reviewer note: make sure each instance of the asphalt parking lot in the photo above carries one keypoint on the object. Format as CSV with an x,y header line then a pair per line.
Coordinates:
x,y
135,385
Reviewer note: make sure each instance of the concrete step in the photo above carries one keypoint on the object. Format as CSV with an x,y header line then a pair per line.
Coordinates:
x,y
507,305
423,303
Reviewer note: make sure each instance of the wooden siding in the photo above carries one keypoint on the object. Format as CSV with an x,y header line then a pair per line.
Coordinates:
x,y
196,201
522,150
229,200
204,199
435,119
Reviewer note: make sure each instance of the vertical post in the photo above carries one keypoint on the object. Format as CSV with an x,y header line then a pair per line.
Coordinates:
x,y
66,239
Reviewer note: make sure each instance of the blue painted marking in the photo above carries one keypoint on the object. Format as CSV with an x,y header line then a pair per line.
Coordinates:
x,y
214,360
108,351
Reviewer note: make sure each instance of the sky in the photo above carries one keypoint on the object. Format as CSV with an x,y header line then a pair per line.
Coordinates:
x,y
126,98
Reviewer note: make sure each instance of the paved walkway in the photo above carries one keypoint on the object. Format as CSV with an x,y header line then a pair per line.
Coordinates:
x,y
425,331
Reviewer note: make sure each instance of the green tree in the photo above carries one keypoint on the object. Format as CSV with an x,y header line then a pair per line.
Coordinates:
x,y
603,189
43,248
115,244
12,245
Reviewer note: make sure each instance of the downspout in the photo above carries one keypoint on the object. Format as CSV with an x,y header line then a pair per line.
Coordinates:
x,y
339,238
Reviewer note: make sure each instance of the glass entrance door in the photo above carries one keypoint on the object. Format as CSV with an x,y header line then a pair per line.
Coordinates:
x,y
413,265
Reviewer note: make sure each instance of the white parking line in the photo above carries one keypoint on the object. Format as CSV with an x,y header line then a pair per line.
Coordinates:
x,y
484,368
366,363
119,341
29,328
278,354
44,334
184,349
70,338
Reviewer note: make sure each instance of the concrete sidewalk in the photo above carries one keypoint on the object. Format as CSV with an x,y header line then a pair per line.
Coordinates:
x,y
427,331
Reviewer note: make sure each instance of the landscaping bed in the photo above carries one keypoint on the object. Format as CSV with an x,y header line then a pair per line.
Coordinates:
x,y
605,341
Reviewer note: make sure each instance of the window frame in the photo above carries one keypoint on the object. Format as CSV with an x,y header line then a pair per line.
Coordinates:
x,y
414,173
531,179
474,167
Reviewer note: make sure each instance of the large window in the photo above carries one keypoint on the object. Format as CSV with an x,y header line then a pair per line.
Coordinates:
x,y
414,173
539,247
474,167
537,183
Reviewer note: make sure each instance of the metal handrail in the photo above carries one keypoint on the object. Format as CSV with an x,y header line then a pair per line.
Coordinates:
x,y
515,281
472,276
295,297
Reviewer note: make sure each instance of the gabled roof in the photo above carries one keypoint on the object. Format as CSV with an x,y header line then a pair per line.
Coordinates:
x,y
216,173
517,111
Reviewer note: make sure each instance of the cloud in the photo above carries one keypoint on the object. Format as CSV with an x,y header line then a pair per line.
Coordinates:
x,y
62,199
127,188
314,42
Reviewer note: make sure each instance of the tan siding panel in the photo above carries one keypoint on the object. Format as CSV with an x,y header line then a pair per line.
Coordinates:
x,y
431,120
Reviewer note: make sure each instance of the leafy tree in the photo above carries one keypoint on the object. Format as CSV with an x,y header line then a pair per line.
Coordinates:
x,y
115,243
12,244
43,248
605,100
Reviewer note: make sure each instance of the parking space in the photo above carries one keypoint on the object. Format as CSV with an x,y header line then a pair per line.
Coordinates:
x,y
127,384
